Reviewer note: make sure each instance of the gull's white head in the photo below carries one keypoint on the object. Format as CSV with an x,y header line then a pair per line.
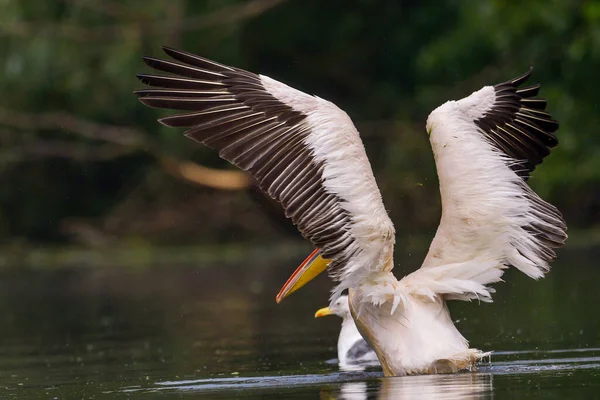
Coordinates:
x,y
339,307
354,353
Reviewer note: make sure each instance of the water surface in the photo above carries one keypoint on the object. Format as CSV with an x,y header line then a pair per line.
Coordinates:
x,y
207,330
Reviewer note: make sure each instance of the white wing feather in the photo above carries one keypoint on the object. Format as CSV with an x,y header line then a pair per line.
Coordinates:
x,y
335,141
491,219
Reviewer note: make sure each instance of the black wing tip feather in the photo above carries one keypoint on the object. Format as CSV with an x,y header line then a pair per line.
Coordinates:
x,y
518,124
170,51
521,78
144,78
151,61
144,101
175,53
520,127
193,59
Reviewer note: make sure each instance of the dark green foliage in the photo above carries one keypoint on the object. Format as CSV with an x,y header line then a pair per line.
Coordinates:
x,y
387,63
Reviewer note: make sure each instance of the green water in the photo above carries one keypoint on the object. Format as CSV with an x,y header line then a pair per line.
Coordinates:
x,y
214,331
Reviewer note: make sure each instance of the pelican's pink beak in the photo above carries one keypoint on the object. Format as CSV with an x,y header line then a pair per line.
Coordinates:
x,y
306,272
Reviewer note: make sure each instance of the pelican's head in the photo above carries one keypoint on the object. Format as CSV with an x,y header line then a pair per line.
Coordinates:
x,y
377,324
339,307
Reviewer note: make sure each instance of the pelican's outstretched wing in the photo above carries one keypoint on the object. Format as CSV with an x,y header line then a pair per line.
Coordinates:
x,y
304,151
485,146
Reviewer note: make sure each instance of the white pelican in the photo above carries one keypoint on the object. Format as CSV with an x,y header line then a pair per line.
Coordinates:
x,y
352,349
307,154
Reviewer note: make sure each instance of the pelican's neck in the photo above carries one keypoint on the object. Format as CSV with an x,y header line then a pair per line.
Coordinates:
x,y
417,335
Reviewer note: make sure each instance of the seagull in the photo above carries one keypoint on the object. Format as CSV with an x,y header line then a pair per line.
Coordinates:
x,y
352,349
306,153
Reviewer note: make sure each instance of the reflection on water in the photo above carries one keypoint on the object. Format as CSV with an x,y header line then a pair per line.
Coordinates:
x,y
215,331
352,391
460,386
350,366
342,386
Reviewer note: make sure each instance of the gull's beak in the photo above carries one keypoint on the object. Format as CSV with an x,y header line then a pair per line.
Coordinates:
x,y
306,272
323,312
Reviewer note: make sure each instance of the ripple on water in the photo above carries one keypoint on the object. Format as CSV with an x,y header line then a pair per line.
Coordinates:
x,y
554,365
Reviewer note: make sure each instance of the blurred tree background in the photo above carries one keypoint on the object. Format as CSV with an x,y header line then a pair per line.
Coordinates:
x,y
81,161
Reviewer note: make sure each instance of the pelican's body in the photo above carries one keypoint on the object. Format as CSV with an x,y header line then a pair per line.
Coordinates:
x,y
307,154
352,349
417,338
